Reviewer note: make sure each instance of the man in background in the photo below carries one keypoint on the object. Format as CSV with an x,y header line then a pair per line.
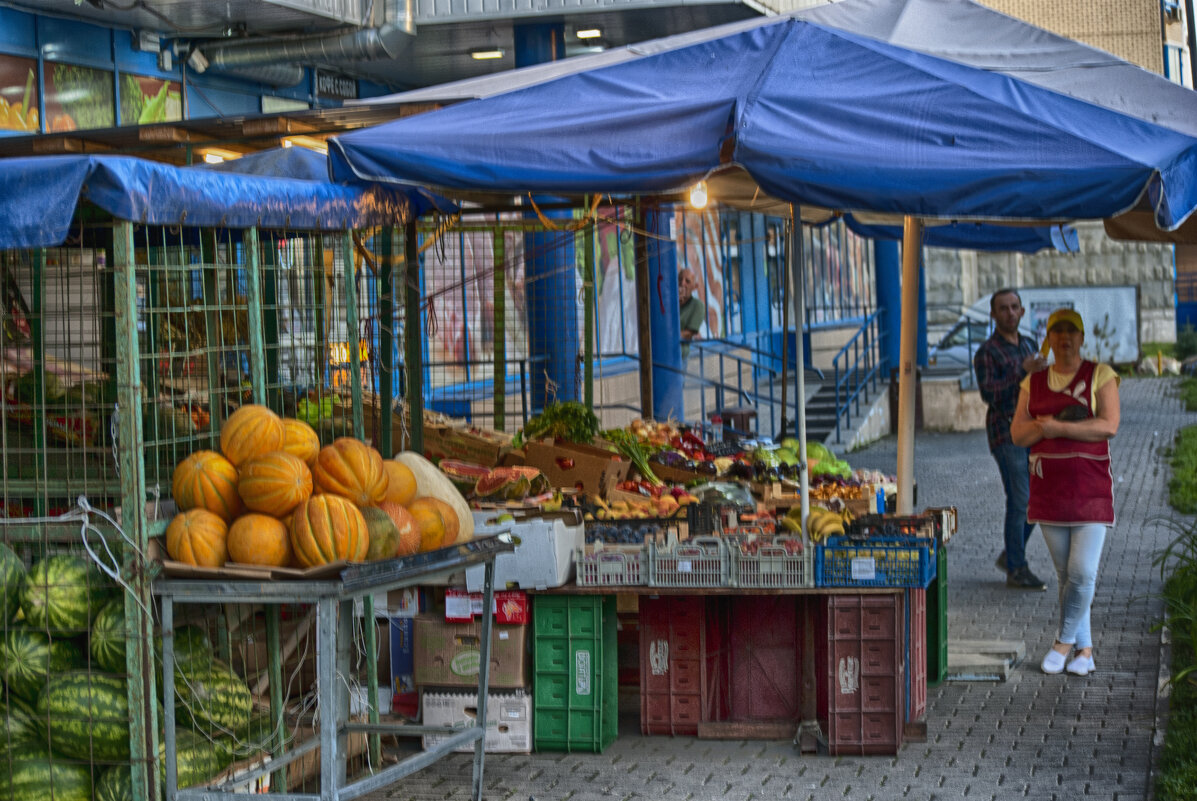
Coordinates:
x,y
692,312
1001,363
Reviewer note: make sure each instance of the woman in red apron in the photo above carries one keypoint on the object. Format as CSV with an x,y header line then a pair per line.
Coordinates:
x,y
1067,415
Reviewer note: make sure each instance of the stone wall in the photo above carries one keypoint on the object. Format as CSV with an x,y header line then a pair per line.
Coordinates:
x,y
1130,29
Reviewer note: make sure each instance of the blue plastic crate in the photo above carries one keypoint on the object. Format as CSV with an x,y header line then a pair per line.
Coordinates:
x,y
876,562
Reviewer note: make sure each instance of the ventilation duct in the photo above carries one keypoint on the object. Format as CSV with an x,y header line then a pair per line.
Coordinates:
x,y
389,40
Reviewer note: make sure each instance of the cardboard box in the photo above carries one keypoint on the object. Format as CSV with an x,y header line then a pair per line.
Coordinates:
x,y
477,445
544,556
573,465
448,655
510,607
508,719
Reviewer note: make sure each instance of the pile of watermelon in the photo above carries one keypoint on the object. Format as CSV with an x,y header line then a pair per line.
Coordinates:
x,y
65,703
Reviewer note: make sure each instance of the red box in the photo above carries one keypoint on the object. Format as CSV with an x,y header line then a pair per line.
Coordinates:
x,y
510,606
916,655
861,697
765,651
683,679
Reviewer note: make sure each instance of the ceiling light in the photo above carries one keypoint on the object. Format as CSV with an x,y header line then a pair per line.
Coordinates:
x,y
486,53
310,142
698,195
588,33
212,158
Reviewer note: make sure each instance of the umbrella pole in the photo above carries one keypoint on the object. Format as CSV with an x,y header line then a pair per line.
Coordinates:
x,y
912,237
794,255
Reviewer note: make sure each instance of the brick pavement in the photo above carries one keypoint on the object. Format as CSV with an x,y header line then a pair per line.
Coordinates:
x,y
1033,736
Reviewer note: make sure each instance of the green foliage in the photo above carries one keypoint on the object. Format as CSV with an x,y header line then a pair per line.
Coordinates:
x,y
1182,487
568,420
1188,393
1177,776
1186,343
1168,349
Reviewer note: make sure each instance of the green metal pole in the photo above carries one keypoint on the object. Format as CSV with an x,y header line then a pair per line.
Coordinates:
x,y
386,340
38,344
139,662
253,316
268,254
211,322
588,282
411,335
278,733
500,327
353,337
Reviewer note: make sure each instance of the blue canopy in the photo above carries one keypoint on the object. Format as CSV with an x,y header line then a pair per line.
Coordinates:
x,y
277,162
810,114
979,236
38,197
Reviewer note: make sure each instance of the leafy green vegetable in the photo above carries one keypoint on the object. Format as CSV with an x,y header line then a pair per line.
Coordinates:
x,y
567,420
633,450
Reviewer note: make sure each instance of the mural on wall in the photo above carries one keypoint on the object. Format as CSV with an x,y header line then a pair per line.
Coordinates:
x,y
616,274
700,251
147,100
78,98
18,94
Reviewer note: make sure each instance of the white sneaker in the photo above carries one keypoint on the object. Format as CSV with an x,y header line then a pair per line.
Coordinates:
x,y
1081,666
1053,662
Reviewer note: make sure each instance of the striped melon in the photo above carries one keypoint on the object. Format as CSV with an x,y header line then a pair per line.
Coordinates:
x,y
33,773
198,761
107,641
212,698
62,593
20,724
12,573
87,715
28,658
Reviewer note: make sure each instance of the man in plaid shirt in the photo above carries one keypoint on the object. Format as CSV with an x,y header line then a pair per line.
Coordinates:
x,y
1001,363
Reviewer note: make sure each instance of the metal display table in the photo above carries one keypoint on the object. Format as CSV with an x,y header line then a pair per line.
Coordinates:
x,y
334,621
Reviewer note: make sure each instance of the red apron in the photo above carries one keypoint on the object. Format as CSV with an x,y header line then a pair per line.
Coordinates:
x,y
1071,482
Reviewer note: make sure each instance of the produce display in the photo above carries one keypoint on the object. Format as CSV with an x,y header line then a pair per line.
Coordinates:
x,y
272,497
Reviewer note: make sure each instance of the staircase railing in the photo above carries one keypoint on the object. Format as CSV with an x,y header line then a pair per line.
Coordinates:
x,y
856,369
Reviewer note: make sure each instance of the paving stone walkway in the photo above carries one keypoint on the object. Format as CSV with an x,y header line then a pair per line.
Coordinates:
x,y
1035,736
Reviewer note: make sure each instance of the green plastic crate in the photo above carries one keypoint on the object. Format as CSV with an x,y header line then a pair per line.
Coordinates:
x,y
937,622
575,677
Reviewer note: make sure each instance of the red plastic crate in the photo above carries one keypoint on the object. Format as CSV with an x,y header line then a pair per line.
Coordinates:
x,y
916,655
864,699
765,652
682,682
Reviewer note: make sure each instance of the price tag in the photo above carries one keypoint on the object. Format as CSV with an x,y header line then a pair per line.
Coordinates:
x,y
864,568
684,566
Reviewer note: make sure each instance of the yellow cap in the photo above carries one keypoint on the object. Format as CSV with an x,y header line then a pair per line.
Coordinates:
x,y
1062,316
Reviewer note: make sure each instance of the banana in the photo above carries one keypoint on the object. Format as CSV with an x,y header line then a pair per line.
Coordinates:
x,y
790,524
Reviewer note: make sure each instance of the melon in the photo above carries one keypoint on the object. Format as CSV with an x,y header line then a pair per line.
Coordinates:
x,y
405,525
432,483
401,483
384,536
258,539
430,522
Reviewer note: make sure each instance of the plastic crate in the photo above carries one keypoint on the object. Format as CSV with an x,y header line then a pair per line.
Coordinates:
x,y
916,655
682,683
765,634
878,562
863,674
772,566
575,682
700,562
937,622
612,566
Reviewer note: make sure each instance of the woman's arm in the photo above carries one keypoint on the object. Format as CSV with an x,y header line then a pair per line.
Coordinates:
x,y
1024,429
1096,429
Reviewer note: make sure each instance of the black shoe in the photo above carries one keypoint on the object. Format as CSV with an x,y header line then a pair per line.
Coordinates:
x,y
1001,562
1022,578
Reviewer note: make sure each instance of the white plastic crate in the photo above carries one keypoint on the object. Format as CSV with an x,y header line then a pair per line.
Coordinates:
x,y
699,562
772,566
612,566
544,556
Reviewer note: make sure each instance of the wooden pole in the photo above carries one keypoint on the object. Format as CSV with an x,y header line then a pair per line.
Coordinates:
x,y
912,239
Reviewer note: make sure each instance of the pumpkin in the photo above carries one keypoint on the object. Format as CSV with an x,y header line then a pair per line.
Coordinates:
x,y
198,537
405,524
207,480
251,431
275,483
401,483
328,528
301,440
351,469
384,537
257,539
432,483
430,522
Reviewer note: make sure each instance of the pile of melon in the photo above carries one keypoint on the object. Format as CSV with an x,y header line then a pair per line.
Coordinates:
x,y
273,497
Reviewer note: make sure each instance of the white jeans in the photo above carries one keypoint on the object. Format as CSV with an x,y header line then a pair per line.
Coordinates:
x,y
1076,552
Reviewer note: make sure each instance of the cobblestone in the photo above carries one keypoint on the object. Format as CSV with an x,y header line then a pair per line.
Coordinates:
x,y
1032,737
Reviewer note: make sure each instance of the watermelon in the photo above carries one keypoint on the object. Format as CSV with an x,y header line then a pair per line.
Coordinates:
x,y
33,773
192,646
87,715
212,696
107,640
20,724
12,574
198,761
61,594
28,658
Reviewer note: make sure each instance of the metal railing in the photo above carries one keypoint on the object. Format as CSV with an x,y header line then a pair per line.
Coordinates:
x,y
855,369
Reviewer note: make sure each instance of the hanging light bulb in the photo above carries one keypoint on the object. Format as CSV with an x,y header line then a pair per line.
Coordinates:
x,y
698,195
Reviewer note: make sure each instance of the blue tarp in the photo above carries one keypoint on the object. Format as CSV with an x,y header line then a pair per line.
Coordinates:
x,y
38,197
277,162
979,236
815,115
